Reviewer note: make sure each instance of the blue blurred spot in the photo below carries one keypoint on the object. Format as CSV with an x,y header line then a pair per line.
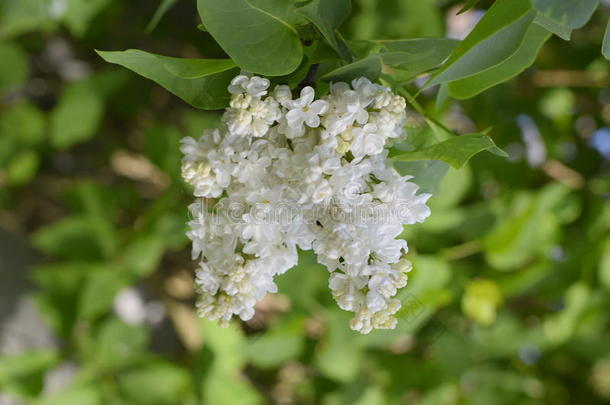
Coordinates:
x,y
529,354
600,141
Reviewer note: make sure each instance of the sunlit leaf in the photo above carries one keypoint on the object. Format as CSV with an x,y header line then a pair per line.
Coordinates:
x,y
77,100
561,16
525,56
480,301
257,34
494,39
22,167
206,92
456,151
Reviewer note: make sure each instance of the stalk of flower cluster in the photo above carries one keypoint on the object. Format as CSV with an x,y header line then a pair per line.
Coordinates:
x,y
282,173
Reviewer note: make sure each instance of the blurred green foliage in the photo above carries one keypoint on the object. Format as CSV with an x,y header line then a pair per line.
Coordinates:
x,y
508,300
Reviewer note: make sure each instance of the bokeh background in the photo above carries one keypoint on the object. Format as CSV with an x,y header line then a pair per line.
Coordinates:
x,y
508,303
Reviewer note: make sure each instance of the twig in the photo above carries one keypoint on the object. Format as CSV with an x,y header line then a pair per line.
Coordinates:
x,y
310,79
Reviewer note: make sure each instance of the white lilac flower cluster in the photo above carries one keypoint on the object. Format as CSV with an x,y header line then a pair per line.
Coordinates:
x,y
282,173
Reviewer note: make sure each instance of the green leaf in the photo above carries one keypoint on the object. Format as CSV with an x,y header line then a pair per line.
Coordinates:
x,y
412,56
562,31
159,13
529,228
78,237
279,345
369,67
19,17
427,174
326,16
208,92
606,45
14,67
195,68
156,383
525,56
571,14
469,4
339,356
24,122
118,344
76,101
23,374
456,151
418,54
23,167
494,39
75,394
100,288
256,34
481,301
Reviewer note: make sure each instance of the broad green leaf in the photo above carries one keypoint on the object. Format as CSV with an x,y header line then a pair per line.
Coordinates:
x,y
468,87
209,92
156,383
22,125
560,327
257,34
22,167
273,349
427,174
19,17
60,286
14,67
100,288
77,100
75,394
468,5
456,151
606,45
195,68
326,16
529,228
223,383
117,344
562,31
369,67
78,237
23,374
163,8
339,355
417,55
494,39
572,14
143,255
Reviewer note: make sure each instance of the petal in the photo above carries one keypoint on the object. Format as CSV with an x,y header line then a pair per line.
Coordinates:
x,y
307,95
318,107
312,120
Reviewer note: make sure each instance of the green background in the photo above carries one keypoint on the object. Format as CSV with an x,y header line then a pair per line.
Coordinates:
x,y
508,302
